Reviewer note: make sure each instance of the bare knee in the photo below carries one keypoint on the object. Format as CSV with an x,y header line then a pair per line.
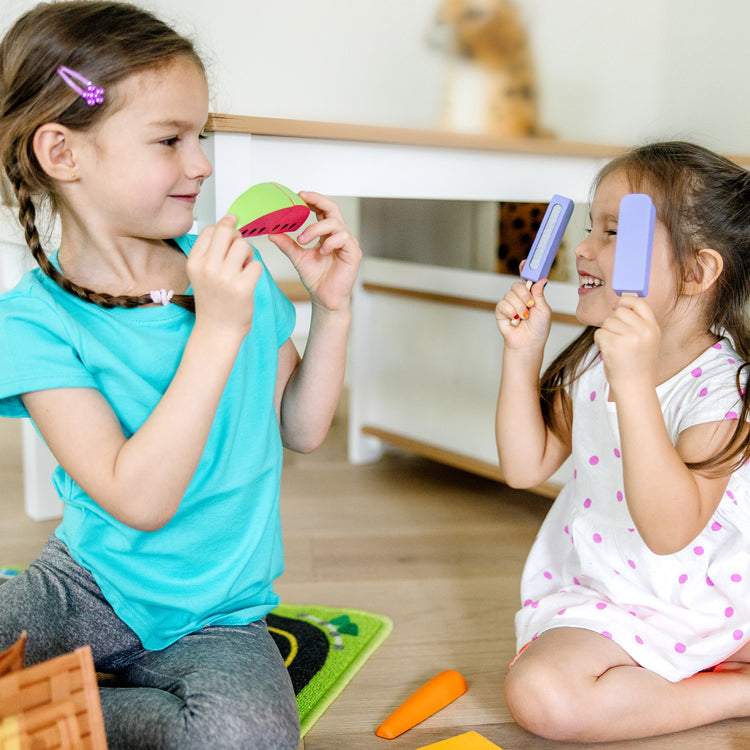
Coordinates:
x,y
540,699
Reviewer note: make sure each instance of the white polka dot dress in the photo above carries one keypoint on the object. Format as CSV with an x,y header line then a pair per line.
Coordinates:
x,y
589,568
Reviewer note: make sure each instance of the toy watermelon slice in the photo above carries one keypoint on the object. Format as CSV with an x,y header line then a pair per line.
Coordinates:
x,y
268,208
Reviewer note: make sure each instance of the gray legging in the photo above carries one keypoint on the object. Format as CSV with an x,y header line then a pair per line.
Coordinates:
x,y
216,688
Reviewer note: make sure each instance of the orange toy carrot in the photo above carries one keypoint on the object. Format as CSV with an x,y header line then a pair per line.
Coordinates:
x,y
435,694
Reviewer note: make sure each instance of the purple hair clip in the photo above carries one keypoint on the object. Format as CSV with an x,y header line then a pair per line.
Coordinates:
x,y
91,93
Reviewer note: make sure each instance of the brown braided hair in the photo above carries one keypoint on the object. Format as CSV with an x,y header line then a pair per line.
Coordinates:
x,y
106,41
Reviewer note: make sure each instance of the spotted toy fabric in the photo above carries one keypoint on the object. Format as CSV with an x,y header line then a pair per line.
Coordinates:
x,y
589,568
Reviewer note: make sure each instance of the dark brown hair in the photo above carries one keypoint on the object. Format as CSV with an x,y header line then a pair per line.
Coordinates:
x,y
103,41
703,199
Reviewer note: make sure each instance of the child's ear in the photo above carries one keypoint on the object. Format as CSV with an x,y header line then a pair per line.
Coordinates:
x,y
52,148
705,270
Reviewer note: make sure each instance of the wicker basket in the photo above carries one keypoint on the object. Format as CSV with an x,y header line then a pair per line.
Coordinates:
x,y
50,706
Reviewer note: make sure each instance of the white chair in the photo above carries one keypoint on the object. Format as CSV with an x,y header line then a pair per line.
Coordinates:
x,y
40,499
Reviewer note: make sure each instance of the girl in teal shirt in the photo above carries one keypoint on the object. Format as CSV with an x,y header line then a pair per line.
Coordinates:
x,y
161,374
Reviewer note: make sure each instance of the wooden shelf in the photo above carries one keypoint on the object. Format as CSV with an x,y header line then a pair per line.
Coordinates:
x,y
451,458
223,123
227,123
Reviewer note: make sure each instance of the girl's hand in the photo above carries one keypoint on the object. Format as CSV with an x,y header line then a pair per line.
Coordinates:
x,y
329,269
523,315
223,274
629,342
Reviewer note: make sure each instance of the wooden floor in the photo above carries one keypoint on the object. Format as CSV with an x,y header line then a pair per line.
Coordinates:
x,y
437,550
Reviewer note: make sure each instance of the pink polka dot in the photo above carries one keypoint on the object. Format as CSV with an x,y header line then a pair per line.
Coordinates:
x,y
567,530
601,605
632,564
620,496
606,634
575,473
682,579
698,550
534,605
587,502
593,396
548,575
736,577
594,460
561,612
527,603
715,526
717,346
730,415
728,612
576,581
680,648
697,372
597,538
703,392
639,640
617,453
738,635
730,495
709,582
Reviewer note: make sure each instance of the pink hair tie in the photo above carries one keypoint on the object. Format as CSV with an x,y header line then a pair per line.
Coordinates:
x,y
161,296
92,93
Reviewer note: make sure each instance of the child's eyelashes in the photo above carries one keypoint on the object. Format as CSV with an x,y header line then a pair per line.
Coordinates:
x,y
174,140
606,232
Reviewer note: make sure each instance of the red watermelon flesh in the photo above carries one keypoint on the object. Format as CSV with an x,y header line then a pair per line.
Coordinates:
x,y
284,220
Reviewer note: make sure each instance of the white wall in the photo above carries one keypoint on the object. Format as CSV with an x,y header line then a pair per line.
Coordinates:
x,y
609,71
625,72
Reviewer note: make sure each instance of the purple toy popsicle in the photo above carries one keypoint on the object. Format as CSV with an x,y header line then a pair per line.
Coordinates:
x,y
635,238
547,241
548,238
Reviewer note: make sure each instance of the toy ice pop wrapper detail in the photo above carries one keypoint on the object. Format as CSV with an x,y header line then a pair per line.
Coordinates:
x,y
547,242
268,208
433,696
635,239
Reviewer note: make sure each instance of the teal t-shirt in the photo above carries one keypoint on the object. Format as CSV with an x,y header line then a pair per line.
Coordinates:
x,y
214,563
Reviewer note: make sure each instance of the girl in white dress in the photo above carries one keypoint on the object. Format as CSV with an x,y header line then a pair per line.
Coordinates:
x,y
636,593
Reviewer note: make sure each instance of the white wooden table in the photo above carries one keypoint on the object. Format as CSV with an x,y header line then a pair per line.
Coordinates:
x,y
425,351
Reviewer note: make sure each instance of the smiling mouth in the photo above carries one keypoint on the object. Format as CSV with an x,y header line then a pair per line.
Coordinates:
x,y
589,282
